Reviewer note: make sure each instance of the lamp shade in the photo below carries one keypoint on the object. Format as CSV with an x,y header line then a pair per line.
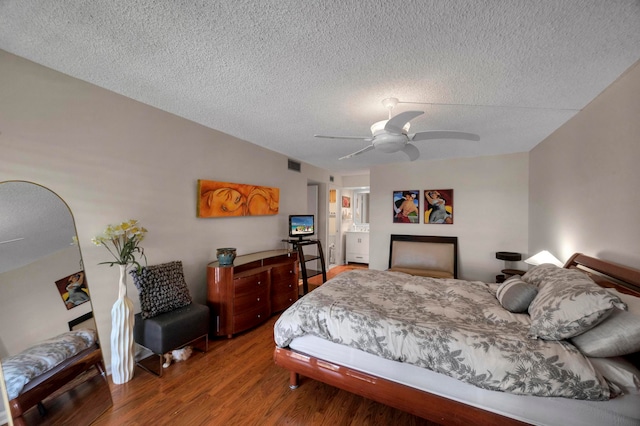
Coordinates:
x,y
543,257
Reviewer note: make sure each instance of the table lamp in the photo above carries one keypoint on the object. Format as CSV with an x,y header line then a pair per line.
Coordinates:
x,y
543,257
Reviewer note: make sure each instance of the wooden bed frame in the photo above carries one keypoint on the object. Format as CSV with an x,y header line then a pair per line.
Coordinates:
x,y
47,383
424,404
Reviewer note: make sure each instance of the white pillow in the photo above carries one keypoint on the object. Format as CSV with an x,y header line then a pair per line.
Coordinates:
x,y
618,334
618,371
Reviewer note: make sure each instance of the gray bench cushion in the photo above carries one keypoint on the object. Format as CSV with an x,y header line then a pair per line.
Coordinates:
x,y
172,330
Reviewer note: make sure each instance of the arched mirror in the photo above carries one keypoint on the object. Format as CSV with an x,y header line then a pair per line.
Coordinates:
x,y
49,351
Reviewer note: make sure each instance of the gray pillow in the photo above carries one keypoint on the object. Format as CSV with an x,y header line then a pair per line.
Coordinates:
x,y
516,295
617,335
162,288
568,304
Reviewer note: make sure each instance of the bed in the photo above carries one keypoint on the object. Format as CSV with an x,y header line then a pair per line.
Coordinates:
x,y
40,370
601,389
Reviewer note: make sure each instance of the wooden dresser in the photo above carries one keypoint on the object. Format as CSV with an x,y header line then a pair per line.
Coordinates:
x,y
246,294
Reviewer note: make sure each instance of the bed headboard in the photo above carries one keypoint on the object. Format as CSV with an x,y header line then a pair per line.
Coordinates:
x,y
424,255
607,274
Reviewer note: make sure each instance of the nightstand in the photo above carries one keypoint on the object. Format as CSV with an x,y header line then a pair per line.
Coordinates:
x,y
508,257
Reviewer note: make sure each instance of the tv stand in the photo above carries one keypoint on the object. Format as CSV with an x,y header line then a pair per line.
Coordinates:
x,y
299,245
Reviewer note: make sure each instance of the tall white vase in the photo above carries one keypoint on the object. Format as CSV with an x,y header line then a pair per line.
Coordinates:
x,y
122,357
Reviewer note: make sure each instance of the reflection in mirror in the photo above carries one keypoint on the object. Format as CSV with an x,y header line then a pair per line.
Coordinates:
x,y
361,215
45,305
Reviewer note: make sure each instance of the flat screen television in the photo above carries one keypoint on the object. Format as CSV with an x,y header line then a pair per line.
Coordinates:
x,y
301,225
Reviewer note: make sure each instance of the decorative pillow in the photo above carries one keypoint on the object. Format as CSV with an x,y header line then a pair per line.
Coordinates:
x,y
516,295
538,274
617,335
618,371
162,288
569,303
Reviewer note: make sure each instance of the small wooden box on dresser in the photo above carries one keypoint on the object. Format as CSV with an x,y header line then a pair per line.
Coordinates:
x,y
246,294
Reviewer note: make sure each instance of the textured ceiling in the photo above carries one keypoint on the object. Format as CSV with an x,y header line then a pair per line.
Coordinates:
x,y
35,223
275,72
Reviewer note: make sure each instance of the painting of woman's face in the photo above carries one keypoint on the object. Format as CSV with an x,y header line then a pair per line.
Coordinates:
x,y
223,199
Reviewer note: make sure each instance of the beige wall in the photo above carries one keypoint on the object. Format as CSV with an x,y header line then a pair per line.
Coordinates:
x,y
583,185
32,294
490,208
111,159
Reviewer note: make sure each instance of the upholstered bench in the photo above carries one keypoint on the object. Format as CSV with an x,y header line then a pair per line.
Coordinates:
x,y
171,330
168,319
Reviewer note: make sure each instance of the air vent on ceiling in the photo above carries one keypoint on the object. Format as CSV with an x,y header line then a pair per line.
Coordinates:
x,y
330,178
294,165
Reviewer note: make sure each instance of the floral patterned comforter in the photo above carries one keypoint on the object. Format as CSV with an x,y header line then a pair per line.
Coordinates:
x,y
453,327
19,369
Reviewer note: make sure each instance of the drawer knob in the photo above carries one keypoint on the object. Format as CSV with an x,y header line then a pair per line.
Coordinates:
x,y
289,285
259,282
259,315
258,299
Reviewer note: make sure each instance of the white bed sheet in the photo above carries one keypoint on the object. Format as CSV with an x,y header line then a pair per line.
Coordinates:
x,y
620,411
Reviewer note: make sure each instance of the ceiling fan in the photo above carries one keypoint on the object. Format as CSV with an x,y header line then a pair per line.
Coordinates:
x,y
392,135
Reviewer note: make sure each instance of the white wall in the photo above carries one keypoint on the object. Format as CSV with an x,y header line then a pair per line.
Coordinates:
x,y
490,208
584,178
32,295
111,159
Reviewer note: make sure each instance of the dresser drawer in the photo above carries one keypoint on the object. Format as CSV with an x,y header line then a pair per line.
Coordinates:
x,y
284,286
252,300
250,284
248,319
282,301
282,275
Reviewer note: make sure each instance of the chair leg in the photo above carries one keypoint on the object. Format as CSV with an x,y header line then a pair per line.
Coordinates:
x,y
147,364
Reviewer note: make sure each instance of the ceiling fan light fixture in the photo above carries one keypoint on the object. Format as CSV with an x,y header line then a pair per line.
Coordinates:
x,y
379,126
390,103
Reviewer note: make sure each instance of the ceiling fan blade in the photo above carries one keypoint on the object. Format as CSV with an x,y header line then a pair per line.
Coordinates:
x,y
360,138
369,148
395,124
411,151
444,134
11,241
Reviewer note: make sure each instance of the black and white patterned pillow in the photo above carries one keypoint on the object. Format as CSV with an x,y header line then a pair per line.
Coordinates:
x,y
162,288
